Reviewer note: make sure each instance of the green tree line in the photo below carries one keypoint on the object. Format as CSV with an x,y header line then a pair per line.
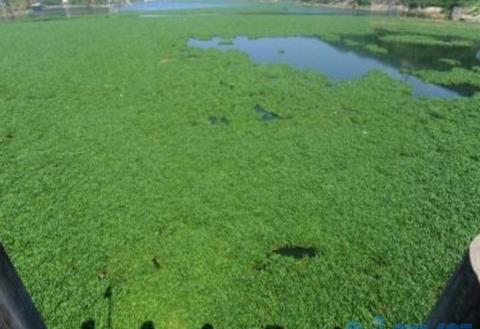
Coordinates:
x,y
447,4
11,8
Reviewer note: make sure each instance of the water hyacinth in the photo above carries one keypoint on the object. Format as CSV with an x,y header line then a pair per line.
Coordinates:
x,y
140,185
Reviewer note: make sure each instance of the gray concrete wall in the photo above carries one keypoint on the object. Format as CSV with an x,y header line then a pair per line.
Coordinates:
x,y
16,308
460,300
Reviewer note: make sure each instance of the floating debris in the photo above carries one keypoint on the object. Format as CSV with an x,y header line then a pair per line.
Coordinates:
x,y
166,60
261,266
225,42
102,275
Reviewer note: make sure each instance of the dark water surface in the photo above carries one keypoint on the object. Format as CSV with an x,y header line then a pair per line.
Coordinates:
x,y
341,62
70,11
297,252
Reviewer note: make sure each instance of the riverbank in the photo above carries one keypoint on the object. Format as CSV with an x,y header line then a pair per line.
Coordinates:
x,y
457,13
65,9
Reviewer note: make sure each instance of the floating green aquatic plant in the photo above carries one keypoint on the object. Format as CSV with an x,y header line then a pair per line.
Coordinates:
x,y
122,203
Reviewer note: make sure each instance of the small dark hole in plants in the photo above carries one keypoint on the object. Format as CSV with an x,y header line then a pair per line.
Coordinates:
x,y
475,157
147,325
408,153
9,136
226,84
380,260
156,264
436,115
266,116
88,324
213,120
273,326
443,149
297,252
207,326
225,121
108,293
355,120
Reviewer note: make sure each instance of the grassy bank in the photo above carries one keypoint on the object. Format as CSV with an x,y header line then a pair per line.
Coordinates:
x,y
114,178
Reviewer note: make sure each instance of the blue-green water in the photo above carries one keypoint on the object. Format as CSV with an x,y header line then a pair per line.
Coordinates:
x,y
335,61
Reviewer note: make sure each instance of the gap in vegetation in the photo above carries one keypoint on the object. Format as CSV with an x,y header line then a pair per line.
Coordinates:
x,y
297,252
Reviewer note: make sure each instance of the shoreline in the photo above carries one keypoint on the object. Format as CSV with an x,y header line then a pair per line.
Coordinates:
x,y
458,13
463,14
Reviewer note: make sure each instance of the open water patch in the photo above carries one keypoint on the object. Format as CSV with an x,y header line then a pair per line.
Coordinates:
x,y
335,61
297,252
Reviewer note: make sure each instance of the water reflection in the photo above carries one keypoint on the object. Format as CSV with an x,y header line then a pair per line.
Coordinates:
x,y
411,55
71,11
336,61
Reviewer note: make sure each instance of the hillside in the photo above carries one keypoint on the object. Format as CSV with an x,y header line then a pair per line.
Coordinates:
x,y
468,10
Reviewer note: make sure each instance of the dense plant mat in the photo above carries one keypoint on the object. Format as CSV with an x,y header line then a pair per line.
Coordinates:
x,y
140,179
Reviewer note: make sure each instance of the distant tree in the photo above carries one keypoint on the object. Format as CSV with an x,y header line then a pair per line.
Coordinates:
x,y
363,2
8,7
448,5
